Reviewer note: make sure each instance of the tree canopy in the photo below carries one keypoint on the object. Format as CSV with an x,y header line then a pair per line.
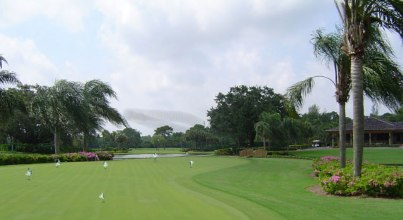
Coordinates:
x,y
237,111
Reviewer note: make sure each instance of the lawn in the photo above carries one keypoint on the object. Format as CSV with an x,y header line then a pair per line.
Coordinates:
x,y
163,151
373,155
215,188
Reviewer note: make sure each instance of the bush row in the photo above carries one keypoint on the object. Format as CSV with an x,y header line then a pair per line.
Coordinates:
x,y
376,180
10,159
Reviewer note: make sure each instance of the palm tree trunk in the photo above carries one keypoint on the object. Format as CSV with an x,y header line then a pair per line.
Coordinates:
x,y
342,134
85,141
358,112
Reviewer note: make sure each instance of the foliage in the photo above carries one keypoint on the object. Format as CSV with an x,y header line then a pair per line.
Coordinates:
x,y
104,155
10,159
375,180
200,137
224,152
165,131
237,112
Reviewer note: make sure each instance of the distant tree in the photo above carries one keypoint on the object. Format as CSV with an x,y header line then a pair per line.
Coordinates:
x,y
237,111
165,131
133,137
198,135
158,141
177,139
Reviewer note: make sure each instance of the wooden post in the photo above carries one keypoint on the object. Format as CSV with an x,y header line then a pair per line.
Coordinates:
x,y
369,138
390,139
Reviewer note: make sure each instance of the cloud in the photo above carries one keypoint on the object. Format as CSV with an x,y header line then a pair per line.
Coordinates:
x,y
152,119
70,13
27,61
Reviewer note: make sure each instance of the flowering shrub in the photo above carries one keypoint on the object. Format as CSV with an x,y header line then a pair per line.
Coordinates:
x,y
90,156
375,180
104,155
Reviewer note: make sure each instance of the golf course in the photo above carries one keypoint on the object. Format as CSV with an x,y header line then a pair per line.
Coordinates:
x,y
167,188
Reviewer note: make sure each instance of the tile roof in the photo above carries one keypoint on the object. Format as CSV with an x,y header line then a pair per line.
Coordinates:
x,y
374,124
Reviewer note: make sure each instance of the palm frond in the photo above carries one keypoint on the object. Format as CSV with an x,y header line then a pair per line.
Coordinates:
x,y
2,60
8,77
297,92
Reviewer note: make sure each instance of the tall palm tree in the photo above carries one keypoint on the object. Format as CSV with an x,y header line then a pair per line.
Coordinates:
x,y
97,109
383,78
360,18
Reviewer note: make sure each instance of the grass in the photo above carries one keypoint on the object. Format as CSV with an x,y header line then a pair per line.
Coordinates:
x,y
373,155
163,151
215,188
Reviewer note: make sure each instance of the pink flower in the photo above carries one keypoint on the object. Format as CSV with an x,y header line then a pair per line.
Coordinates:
x,y
334,178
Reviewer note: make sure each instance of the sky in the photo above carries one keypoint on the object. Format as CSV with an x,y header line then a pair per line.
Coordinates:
x,y
168,59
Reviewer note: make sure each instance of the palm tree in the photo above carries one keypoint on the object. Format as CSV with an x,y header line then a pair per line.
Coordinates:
x,y
382,76
360,19
97,109
262,131
58,107
6,101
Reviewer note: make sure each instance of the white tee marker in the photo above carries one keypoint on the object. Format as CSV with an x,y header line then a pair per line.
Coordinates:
x,y
57,163
28,173
191,163
101,196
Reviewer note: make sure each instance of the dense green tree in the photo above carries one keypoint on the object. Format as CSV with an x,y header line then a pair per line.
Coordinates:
x,y
237,111
133,137
158,141
177,140
273,129
165,131
360,19
22,127
198,136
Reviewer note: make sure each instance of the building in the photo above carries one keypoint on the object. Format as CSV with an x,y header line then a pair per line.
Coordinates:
x,y
377,132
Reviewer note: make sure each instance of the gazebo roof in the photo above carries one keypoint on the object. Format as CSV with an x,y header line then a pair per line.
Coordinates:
x,y
374,124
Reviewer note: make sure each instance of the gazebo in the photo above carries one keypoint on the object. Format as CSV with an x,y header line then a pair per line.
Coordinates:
x,y
376,132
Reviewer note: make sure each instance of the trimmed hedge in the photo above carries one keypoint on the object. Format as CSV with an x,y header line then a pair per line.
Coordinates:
x,y
376,180
11,159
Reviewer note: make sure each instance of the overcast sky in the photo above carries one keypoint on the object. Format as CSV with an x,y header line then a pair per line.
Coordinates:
x,y
168,59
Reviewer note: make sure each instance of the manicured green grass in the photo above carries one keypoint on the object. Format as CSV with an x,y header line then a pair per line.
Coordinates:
x,y
279,185
156,150
162,151
215,188
373,155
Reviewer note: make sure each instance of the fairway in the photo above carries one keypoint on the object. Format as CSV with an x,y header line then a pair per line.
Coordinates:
x,y
215,188
371,154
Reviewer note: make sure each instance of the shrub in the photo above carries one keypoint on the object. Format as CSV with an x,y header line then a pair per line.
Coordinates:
x,y
376,180
104,155
224,151
90,156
